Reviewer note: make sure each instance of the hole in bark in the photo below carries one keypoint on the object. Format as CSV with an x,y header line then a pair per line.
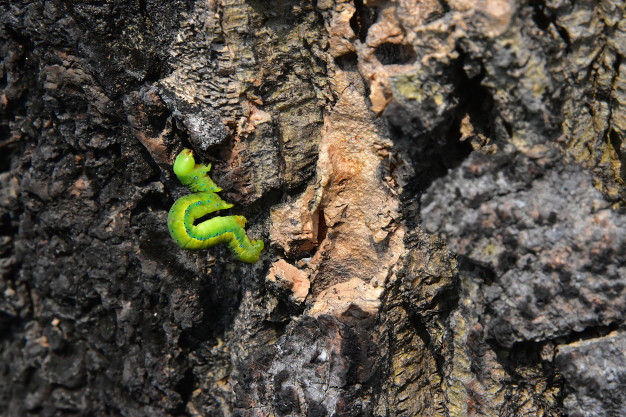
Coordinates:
x,y
435,150
151,201
22,39
142,7
5,156
395,54
616,143
475,101
476,270
362,19
5,324
543,20
445,155
524,354
564,35
347,61
539,14
4,80
185,388
444,5
322,228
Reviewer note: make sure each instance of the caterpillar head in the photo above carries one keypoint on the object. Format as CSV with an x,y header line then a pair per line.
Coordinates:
x,y
184,163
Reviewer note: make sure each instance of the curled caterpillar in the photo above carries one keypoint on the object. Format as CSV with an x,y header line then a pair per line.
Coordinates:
x,y
228,229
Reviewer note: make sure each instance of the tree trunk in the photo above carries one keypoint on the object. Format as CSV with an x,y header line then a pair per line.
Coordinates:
x,y
439,186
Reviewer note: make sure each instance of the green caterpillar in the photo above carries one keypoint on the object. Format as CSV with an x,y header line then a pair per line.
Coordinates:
x,y
228,229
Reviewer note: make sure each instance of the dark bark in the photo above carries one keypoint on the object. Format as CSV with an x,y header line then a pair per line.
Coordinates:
x,y
439,185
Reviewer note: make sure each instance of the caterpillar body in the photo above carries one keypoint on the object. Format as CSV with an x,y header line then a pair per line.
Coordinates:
x,y
184,212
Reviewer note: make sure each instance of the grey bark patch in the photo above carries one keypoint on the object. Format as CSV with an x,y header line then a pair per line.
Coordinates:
x,y
550,237
203,124
595,375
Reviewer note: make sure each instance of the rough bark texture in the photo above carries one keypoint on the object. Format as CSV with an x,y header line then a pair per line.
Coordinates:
x,y
439,184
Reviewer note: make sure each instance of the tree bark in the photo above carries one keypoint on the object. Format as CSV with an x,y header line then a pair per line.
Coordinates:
x,y
439,186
